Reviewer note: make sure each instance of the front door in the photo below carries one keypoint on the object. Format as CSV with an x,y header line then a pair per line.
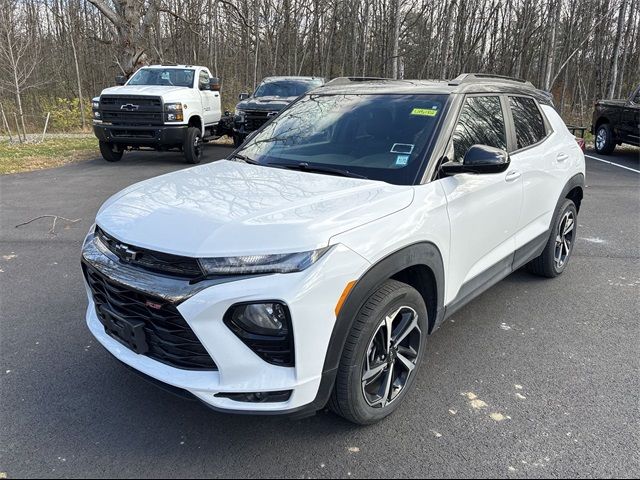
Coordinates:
x,y
484,210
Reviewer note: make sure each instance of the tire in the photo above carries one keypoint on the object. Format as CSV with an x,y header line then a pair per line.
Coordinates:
x,y
556,254
111,152
604,142
363,401
193,145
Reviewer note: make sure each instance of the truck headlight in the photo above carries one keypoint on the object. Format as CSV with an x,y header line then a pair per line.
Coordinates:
x,y
95,104
174,112
254,264
239,115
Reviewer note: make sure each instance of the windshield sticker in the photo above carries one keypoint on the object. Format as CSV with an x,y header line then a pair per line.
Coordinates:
x,y
402,148
402,160
425,112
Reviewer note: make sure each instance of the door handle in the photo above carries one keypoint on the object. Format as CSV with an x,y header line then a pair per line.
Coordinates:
x,y
562,157
513,175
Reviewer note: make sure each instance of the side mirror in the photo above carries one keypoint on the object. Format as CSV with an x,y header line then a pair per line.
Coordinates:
x,y
215,84
121,80
243,96
479,159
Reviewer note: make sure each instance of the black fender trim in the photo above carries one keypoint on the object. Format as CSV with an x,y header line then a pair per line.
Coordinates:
x,y
423,253
576,181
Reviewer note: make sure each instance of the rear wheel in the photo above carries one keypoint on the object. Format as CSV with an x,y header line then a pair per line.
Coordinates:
x,y
381,355
193,145
111,152
556,254
604,142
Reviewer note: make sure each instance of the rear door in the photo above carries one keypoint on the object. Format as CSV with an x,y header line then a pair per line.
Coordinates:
x,y
630,121
484,210
541,157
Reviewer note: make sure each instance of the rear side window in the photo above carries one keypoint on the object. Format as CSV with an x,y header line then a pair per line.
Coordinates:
x,y
481,122
528,121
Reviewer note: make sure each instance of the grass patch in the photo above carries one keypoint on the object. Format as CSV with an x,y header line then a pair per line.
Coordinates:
x,y
53,152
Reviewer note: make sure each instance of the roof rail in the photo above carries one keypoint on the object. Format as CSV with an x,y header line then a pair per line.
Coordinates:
x,y
480,77
348,80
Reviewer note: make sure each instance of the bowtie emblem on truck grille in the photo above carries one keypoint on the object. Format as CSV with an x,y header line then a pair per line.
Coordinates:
x,y
125,253
130,107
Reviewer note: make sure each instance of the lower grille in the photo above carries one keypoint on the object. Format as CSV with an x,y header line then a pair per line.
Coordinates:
x,y
148,325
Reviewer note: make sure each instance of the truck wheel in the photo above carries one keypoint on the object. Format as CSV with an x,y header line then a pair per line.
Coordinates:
x,y
604,142
111,152
193,145
382,354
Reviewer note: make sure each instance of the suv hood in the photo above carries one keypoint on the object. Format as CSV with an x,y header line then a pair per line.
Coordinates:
x,y
230,208
267,104
155,90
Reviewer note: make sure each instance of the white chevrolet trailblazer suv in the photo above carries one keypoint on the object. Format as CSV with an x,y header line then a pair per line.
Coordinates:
x,y
161,107
310,266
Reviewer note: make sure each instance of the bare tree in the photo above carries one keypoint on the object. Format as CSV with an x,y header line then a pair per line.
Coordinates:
x,y
19,54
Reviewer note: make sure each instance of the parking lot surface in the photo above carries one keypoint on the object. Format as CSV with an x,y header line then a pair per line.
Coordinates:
x,y
536,377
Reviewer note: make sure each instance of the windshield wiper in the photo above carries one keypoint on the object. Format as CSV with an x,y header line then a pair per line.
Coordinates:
x,y
305,167
244,158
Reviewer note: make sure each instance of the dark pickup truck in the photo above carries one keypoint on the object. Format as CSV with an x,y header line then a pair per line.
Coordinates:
x,y
616,122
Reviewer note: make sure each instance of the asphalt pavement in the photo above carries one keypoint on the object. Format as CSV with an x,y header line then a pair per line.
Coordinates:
x,y
535,378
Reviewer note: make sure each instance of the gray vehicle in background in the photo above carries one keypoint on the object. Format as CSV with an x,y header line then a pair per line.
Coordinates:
x,y
272,95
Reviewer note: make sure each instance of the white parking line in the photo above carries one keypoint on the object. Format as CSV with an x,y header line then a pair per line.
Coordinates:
x,y
612,163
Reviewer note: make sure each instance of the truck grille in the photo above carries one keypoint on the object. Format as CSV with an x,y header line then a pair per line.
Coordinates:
x,y
148,325
254,119
131,110
157,262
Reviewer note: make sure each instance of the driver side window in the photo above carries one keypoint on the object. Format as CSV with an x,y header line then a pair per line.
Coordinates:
x,y
203,79
481,122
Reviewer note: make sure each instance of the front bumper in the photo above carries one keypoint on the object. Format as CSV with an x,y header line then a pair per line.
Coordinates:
x,y
311,296
138,136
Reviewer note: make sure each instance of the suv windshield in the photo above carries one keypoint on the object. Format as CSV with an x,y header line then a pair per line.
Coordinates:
x,y
381,137
285,88
171,77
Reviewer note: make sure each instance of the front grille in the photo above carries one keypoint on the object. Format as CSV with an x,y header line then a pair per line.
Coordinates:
x,y
157,262
131,110
148,325
254,119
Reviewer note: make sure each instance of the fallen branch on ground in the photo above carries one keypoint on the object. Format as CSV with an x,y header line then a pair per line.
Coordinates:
x,y
52,231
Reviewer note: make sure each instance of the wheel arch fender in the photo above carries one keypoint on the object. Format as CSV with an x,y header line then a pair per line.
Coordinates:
x,y
418,256
195,120
573,190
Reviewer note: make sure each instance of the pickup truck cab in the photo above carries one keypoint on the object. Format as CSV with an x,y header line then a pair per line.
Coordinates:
x,y
616,122
161,108
272,95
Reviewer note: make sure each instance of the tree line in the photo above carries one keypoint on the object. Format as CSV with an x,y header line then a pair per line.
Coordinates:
x,y
57,54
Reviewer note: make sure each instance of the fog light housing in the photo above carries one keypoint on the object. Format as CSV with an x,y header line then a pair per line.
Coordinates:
x,y
265,327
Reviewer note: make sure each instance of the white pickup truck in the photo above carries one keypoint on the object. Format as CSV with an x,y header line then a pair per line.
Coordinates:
x,y
160,107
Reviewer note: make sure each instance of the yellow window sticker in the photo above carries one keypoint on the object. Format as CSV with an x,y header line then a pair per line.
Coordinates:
x,y
425,112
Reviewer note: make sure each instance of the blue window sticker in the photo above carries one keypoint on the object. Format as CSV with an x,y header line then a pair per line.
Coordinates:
x,y
402,160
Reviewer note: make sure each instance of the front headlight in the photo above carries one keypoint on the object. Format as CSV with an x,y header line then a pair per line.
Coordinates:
x,y
174,112
95,104
239,115
252,264
173,107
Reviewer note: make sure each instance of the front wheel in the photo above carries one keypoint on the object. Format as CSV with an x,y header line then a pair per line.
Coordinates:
x,y
381,355
604,142
111,152
555,256
193,145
